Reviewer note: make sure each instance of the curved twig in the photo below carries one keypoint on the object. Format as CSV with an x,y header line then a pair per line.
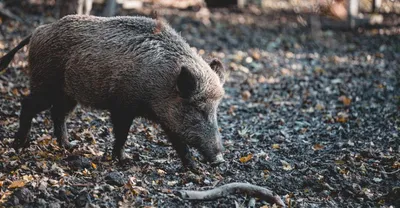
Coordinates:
x,y
232,188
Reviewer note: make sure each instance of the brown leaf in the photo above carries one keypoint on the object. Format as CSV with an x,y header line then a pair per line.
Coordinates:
x,y
6,194
94,166
25,91
380,86
15,92
262,79
317,147
246,95
231,110
17,184
346,101
246,158
342,117
396,165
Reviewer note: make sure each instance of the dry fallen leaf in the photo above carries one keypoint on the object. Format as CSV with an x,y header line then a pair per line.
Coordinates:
x,y
85,172
161,172
15,92
346,101
396,165
246,95
27,178
275,146
231,110
319,70
317,147
17,184
172,183
6,194
342,117
319,107
286,165
246,158
339,162
94,166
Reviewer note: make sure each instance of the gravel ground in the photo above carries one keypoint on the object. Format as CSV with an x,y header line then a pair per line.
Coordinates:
x,y
312,115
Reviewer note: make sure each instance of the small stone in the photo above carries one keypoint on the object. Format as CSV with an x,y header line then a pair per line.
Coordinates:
x,y
83,199
107,188
41,203
78,162
24,195
115,179
256,55
249,59
54,205
261,79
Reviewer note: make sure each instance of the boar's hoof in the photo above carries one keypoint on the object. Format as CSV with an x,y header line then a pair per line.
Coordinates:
x,y
191,166
20,144
118,156
68,146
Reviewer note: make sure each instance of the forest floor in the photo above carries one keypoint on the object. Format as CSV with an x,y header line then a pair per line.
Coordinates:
x,y
312,115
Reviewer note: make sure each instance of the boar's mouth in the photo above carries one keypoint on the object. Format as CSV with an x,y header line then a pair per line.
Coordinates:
x,y
210,155
213,161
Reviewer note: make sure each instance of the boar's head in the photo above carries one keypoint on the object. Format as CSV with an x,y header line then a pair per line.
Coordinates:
x,y
191,117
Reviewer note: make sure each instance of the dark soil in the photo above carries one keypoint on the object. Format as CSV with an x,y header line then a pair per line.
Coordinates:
x,y
313,116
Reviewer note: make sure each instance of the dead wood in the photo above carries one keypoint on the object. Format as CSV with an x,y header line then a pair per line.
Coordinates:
x,y
232,188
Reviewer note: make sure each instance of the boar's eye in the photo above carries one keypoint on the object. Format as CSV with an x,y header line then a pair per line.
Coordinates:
x,y
186,83
202,111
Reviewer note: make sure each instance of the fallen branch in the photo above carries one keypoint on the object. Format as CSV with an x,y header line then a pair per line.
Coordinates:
x,y
232,188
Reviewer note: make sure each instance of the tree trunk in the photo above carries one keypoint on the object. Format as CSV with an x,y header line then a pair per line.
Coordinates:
x,y
221,3
66,7
353,12
110,9
376,5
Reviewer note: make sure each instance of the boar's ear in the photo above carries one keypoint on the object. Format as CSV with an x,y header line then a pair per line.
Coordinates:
x,y
217,66
187,83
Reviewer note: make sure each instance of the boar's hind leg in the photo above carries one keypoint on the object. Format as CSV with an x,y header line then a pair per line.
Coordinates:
x,y
59,113
30,106
121,125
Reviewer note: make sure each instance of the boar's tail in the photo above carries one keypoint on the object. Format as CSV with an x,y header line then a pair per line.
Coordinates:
x,y
5,60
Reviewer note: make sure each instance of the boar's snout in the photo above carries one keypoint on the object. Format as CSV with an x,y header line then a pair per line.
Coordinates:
x,y
218,160
212,151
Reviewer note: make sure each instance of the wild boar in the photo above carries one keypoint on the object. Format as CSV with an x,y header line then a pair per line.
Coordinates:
x,y
132,67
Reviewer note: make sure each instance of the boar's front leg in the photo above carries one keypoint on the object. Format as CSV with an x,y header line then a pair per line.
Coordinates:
x,y
121,125
184,154
59,113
